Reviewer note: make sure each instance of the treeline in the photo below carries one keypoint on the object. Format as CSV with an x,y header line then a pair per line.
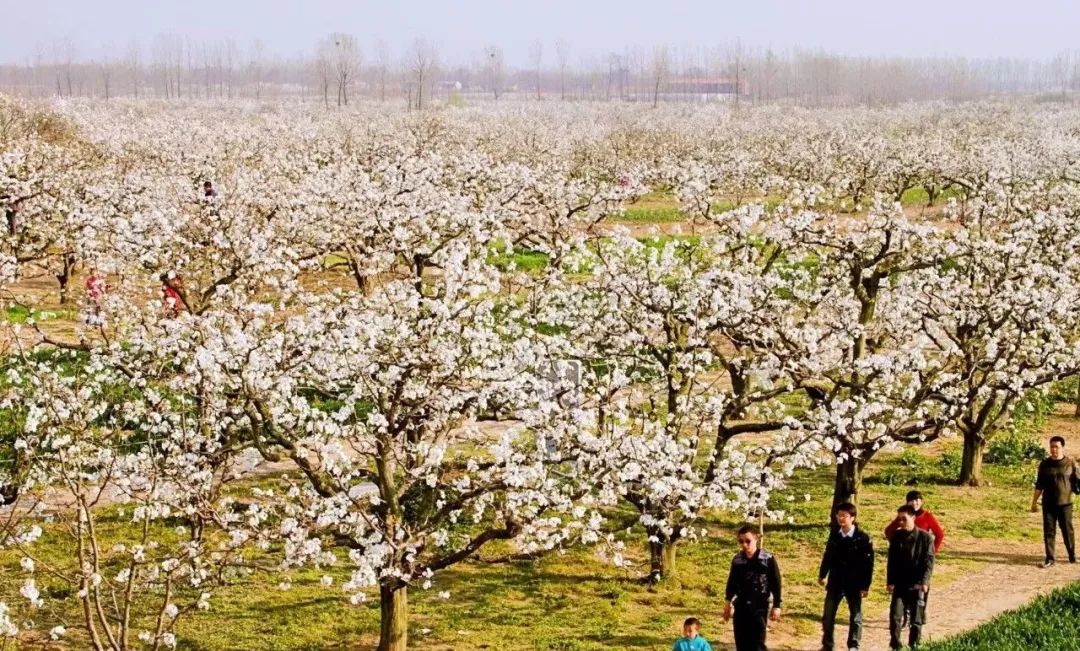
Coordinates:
x,y
340,68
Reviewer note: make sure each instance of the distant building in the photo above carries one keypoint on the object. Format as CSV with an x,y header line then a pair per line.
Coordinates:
x,y
688,89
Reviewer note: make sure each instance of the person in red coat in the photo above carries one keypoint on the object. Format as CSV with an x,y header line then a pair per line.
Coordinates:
x,y
172,300
924,520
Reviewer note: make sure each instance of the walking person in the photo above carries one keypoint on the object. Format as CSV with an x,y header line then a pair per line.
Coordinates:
x,y
1055,483
171,299
753,579
924,520
911,563
847,569
95,294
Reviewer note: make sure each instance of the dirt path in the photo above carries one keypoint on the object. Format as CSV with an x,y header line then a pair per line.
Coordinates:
x,y
985,579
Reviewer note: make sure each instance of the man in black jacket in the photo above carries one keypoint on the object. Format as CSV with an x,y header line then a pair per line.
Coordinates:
x,y
1054,483
847,568
754,578
911,563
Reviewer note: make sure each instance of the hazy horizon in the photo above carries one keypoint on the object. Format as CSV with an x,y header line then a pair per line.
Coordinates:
x,y
1038,29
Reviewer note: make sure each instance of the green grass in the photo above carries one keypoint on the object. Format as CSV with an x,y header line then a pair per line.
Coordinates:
x,y
918,196
23,314
333,259
575,601
521,260
660,241
651,215
1050,622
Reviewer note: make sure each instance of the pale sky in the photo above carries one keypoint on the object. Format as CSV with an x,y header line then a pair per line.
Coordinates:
x,y
461,28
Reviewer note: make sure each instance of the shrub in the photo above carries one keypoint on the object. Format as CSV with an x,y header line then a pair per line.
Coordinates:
x,y
1013,449
914,467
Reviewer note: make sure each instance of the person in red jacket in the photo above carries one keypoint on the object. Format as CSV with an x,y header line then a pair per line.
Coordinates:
x,y
172,300
924,520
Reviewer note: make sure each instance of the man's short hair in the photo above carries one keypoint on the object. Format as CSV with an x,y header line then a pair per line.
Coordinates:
x,y
913,495
847,507
748,529
1057,439
692,621
908,509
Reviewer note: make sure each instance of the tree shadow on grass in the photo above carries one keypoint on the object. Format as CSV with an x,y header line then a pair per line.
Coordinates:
x,y
794,527
995,558
635,641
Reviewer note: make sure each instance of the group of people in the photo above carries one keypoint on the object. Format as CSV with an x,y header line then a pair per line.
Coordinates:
x,y
753,595
172,285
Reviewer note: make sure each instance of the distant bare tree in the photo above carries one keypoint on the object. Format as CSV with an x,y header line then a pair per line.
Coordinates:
x,y
63,59
737,67
661,69
344,55
536,57
134,66
230,66
494,69
562,55
258,56
1059,72
105,68
423,61
382,67
325,70
161,63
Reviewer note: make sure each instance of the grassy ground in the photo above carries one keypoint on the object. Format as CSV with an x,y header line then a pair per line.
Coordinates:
x,y
575,602
1052,622
663,207
919,196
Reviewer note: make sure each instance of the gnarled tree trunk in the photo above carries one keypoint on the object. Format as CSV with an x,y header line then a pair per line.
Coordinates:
x,y
848,480
394,622
972,462
662,559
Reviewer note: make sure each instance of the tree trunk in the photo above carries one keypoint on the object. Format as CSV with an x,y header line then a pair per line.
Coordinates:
x,y
661,560
971,464
931,194
1077,399
848,481
394,620
64,277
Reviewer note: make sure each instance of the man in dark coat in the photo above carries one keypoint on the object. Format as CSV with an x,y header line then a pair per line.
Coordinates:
x,y
847,568
911,563
1054,483
753,579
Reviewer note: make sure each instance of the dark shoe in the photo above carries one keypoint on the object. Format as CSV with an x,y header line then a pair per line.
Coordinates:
x,y
1047,563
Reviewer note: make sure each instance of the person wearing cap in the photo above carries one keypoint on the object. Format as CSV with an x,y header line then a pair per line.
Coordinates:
x,y
924,520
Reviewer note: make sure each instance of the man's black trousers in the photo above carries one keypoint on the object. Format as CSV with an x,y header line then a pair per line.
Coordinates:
x,y
1055,516
833,597
906,605
750,627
